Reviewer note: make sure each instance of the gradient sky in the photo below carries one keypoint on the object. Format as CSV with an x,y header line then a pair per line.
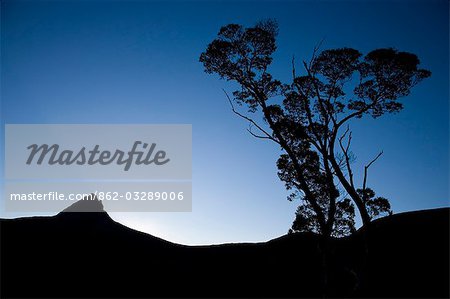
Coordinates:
x,y
137,62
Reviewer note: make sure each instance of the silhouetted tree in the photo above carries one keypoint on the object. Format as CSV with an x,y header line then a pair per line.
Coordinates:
x,y
243,55
305,117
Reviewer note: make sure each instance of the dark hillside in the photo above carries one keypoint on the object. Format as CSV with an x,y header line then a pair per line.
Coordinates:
x,y
90,255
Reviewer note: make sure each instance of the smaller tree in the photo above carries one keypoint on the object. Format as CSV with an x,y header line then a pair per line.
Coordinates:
x,y
344,223
376,206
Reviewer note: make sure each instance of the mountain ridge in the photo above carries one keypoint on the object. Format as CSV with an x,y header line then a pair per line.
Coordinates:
x,y
405,260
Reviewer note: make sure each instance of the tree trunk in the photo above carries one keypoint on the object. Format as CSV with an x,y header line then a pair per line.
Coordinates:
x,y
333,194
311,199
351,191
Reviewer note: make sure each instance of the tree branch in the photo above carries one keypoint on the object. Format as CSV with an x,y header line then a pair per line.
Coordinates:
x,y
345,151
322,143
366,168
258,136
251,121
315,50
322,109
357,113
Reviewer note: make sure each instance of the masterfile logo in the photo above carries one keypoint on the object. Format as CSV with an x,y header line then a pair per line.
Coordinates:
x,y
157,152
91,157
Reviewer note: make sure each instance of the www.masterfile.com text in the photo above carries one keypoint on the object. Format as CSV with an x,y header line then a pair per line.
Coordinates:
x,y
113,195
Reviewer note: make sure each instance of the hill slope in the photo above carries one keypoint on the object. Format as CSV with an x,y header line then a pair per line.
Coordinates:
x,y
90,255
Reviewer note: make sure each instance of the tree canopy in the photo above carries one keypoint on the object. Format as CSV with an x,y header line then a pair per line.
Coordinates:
x,y
309,117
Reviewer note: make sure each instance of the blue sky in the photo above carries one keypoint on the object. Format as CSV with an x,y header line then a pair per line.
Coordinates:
x,y
137,62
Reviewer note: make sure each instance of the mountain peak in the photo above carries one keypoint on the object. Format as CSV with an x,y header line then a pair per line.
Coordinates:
x,y
89,203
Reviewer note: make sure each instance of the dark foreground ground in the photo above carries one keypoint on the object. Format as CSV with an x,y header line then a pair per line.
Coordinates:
x,y
90,255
